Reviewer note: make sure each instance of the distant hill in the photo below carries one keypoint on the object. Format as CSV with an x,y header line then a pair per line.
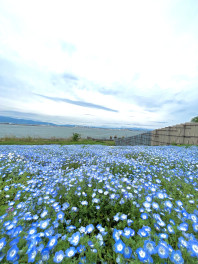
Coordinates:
x,y
11,120
19,121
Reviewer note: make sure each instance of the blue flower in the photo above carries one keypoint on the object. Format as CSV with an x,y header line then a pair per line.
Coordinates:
x,y
12,253
60,215
162,251
74,240
195,227
70,252
182,242
81,248
59,256
127,252
45,254
117,234
89,228
119,246
183,227
123,217
142,232
170,229
43,224
144,216
149,246
176,257
193,248
163,236
142,254
2,243
52,242
32,231
128,232
14,241
32,254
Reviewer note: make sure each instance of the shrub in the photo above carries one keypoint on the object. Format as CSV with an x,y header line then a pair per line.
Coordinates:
x,y
76,137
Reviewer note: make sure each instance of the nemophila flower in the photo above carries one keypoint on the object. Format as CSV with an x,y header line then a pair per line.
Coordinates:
x,y
84,202
168,204
49,232
127,252
176,257
142,254
128,232
89,228
81,248
182,242
32,231
123,217
144,216
170,229
97,207
193,248
149,246
44,213
60,215
183,227
179,203
14,241
119,246
142,232
163,236
155,205
70,252
193,217
82,229
116,218
40,247
172,221
117,234
74,240
59,256
195,227
74,209
146,204
12,253
70,228
45,254
160,195
2,243
162,251
90,243
52,242
44,224
65,206
32,255
95,200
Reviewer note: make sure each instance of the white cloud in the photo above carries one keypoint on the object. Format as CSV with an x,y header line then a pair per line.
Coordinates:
x,y
118,51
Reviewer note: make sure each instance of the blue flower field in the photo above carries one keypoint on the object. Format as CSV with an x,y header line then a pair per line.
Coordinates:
x,y
98,204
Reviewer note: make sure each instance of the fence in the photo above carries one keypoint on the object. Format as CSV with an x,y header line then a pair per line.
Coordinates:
x,y
186,133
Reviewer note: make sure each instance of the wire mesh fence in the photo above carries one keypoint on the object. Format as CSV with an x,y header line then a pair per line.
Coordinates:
x,y
186,133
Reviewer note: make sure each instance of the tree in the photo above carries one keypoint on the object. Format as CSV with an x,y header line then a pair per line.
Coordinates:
x,y
194,119
75,137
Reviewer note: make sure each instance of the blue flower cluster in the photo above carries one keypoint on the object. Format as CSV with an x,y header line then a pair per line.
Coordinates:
x,y
98,204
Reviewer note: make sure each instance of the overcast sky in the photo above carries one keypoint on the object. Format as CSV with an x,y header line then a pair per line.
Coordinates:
x,y
101,63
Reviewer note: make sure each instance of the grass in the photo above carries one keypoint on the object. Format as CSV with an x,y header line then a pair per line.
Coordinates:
x,y
51,141
99,185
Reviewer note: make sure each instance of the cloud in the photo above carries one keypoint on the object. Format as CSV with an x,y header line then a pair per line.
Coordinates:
x,y
79,103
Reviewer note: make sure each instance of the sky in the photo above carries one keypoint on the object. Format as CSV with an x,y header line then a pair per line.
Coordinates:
x,y
100,62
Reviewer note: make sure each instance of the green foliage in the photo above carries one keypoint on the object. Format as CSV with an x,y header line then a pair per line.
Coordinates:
x,y
76,137
194,119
